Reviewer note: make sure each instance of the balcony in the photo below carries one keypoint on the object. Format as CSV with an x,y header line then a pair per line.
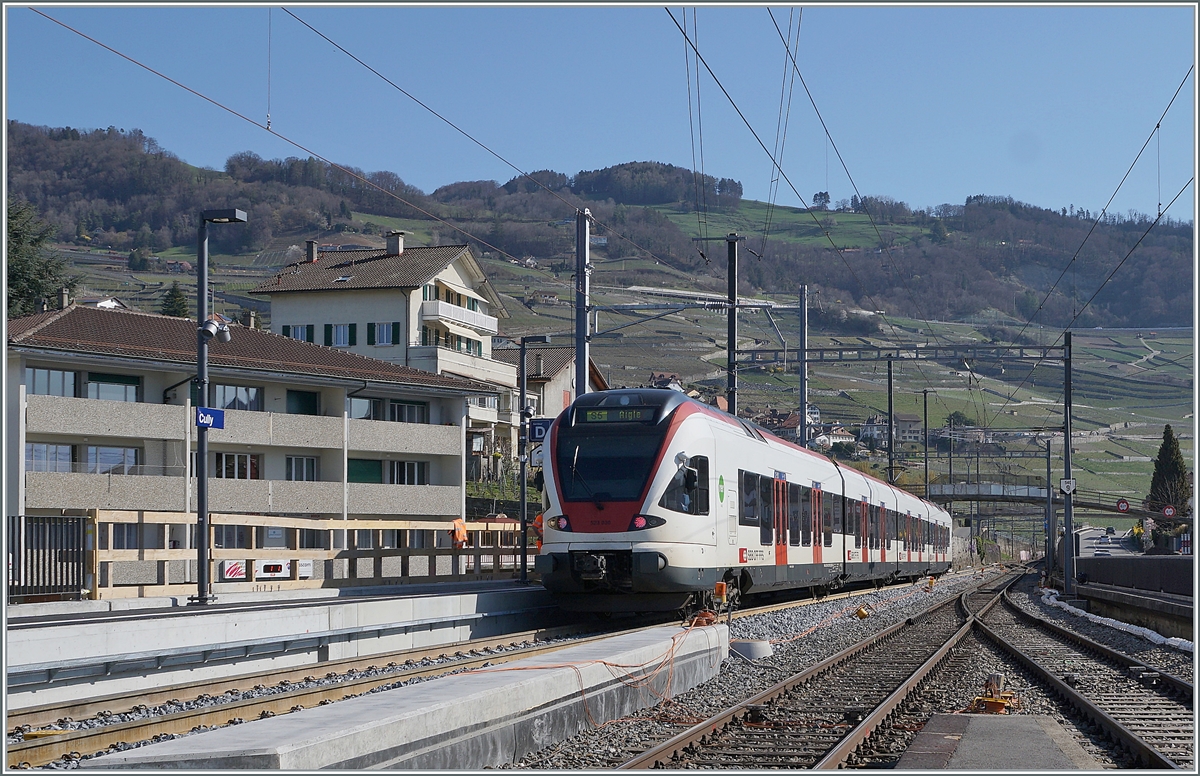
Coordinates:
x,y
100,418
442,360
444,312
67,490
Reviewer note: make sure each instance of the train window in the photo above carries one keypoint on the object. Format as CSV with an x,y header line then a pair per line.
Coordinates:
x,y
872,526
839,510
748,514
827,521
690,501
854,518
766,515
806,518
794,514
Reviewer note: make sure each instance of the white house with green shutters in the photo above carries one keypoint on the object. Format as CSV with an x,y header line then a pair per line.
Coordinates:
x,y
430,308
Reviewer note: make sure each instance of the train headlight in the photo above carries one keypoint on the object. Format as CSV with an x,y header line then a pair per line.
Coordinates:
x,y
642,522
561,523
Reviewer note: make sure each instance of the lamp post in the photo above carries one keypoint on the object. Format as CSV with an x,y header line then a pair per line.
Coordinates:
x,y
205,330
522,457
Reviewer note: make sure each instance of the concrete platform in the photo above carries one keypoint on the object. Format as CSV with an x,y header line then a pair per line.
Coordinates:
x,y
995,742
88,654
472,720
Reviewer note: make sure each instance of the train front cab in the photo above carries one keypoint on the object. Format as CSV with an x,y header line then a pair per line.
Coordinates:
x,y
630,522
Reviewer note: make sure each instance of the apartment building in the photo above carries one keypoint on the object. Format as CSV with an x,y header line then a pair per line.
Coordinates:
x,y
429,308
100,421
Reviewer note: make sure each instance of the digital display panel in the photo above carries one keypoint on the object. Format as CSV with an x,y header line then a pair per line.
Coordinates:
x,y
616,415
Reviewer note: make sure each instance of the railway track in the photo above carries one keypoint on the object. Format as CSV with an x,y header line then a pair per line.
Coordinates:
x,y
153,714
1147,712
817,718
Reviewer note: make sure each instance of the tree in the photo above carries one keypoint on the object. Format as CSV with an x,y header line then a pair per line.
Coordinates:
x,y
820,200
960,419
938,231
175,302
139,259
1170,484
32,274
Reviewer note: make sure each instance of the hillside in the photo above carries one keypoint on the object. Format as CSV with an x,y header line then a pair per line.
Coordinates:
x,y
991,256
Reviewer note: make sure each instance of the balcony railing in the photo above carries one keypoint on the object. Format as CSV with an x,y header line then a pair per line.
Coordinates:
x,y
444,311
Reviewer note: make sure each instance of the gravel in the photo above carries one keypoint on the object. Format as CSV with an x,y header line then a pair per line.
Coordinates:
x,y
1165,658
802,636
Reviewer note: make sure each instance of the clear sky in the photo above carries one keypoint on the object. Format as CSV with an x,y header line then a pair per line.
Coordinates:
x,y
927,104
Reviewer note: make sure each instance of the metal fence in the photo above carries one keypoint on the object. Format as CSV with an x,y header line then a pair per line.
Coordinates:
x,y
46,558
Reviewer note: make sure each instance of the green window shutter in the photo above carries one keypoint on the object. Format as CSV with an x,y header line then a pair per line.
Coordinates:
x,y
308,334
287,331
370,333
329,335
395,332
353,334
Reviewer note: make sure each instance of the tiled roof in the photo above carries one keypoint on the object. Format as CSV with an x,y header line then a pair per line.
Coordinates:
x,y
554,359
138,335
374,268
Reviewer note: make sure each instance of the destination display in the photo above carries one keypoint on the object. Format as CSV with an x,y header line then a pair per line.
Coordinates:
x,y
616,415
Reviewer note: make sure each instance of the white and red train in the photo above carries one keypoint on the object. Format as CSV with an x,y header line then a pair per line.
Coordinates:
x,y
655,497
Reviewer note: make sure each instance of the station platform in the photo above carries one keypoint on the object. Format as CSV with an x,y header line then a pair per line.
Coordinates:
x,y
54,655
995,742
477,719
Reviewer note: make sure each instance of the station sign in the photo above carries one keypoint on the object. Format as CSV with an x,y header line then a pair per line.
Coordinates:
x,y
1122,505
539,428
207,417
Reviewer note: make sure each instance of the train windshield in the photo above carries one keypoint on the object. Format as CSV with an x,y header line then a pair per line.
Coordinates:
x,y
603,462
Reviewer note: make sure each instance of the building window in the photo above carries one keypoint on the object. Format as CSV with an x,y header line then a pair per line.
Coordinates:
x,y
230,537
472,304
363,540
302,331
112,460
45,457
366,409
409,412
49,382
341,335
410,472
238,466
113,387
428,292
303,403
237,397
301,468
383,334
314,539
124,536
362,470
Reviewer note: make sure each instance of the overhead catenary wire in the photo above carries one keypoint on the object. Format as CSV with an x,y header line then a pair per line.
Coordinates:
x,y
576,207
273,132
1096,222
845,168
701,216
786,87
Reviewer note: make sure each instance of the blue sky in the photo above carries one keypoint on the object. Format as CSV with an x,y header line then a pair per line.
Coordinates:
x,y
927,104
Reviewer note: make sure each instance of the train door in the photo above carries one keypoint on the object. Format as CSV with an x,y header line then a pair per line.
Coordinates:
x,y
881,531
815,496
864,530
781,520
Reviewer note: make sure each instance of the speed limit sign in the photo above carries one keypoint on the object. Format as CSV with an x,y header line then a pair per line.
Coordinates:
x,y
1168,511
1122,505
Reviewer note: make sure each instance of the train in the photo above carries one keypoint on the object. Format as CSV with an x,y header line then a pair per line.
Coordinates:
x,y
652,497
